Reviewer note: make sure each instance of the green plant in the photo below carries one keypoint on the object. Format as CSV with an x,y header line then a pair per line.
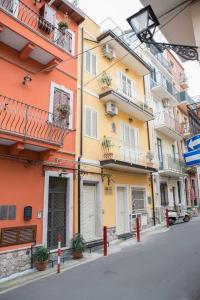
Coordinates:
x,y
41,254
106,143
63,25
64,110
78,243
106,79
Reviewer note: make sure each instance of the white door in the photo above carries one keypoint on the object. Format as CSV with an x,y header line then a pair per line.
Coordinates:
x,y
121,209
88,211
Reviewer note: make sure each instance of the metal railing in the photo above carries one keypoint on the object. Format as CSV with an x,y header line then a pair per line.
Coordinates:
x,y
184,96
167,162
164,119
29,122
160,57
130,155
159,79
20,11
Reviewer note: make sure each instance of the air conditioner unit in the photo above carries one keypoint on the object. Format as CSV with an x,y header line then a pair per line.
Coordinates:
x,y
108,52
165,102
111,109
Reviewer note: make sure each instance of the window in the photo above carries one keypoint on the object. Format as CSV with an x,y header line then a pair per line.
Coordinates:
x,y
127,86
129,137
61,105
7,212
64,39
12,6
91,62
91,122
138,196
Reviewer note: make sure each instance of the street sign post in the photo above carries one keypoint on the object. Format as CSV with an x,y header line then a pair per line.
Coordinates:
x,y
192,158
193,143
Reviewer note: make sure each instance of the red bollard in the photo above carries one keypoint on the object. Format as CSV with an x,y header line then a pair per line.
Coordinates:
x,y
105,241
138,229
167,217
59,252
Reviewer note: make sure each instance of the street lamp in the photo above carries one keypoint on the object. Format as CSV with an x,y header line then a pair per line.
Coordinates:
x,y
144,24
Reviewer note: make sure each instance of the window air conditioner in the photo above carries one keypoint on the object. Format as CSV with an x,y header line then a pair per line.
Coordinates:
x,y
111,109
108,52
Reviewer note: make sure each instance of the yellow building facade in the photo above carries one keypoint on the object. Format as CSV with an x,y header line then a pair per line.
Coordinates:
x,y
115,159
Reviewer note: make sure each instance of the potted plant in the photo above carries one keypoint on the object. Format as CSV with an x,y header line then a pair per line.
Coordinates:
x,y
106,81
78,246
63,25
64,112
107,145
40,257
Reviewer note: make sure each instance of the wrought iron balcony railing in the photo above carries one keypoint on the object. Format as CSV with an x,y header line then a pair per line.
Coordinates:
x,y
159,79
160,57
164,119
29,122
167,162
23,13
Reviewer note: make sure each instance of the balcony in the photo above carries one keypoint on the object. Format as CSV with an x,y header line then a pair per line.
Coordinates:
x,y
126,102
163,88
170,166
128,160
26,31
168,125
159,57
28,127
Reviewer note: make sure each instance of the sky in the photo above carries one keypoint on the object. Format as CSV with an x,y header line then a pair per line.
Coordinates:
x,y
119,11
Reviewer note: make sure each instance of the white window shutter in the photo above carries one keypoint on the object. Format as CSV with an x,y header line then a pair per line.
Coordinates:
x,y
133,90
94,64
94,124
119,83
87,61
88,122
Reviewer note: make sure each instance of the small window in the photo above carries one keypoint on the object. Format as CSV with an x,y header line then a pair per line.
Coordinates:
x,y
91,122
61,107
91,62
138,198
7,212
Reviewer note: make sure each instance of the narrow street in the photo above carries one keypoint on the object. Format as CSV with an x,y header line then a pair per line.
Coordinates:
x,y
164,267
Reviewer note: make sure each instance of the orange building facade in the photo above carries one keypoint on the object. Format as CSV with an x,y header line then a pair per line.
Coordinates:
x,y
38,82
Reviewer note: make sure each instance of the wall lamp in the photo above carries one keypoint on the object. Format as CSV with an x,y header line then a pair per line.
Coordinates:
x,y
26,79
144,24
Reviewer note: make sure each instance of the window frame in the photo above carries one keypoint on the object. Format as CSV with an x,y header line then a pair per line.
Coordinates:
x,y
132,88
51,101
85,133
91,53
139,187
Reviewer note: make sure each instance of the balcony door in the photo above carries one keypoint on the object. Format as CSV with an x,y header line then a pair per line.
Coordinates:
x,y
164,194
129,147
160,153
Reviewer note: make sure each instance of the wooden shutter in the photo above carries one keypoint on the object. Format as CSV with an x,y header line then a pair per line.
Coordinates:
x,y
94,124
60,98
88,121
94,64
87,61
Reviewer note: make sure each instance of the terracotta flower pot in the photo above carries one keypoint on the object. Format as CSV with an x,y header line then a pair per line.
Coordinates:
x,y
77,254
41,265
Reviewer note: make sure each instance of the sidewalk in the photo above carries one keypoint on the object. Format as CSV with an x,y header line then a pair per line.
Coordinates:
x,y
26,277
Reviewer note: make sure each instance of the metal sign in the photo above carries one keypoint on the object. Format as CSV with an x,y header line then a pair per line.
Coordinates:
x,y
193,143
192,158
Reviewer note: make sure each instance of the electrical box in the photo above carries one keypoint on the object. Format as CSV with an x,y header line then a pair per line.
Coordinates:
x,y
27,213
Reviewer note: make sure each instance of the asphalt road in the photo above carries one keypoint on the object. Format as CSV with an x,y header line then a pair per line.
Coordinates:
x,y
164,267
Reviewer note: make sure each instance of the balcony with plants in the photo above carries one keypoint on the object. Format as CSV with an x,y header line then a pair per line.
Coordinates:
x,y
30,127
31,30
168,125
163,88
124,97
117,157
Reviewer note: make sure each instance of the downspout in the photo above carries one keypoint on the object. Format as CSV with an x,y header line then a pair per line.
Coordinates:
x,y
151,176
81,132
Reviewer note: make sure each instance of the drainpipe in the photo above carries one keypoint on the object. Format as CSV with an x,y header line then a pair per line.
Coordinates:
x,y
81,132
149,147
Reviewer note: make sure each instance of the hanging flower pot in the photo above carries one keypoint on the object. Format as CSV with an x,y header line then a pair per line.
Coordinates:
x,y
63,26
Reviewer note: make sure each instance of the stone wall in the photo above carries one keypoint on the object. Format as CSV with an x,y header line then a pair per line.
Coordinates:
x,y
14,261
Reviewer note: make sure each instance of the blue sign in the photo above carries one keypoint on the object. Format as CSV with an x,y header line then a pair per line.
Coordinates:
x,y
193,143
192,158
